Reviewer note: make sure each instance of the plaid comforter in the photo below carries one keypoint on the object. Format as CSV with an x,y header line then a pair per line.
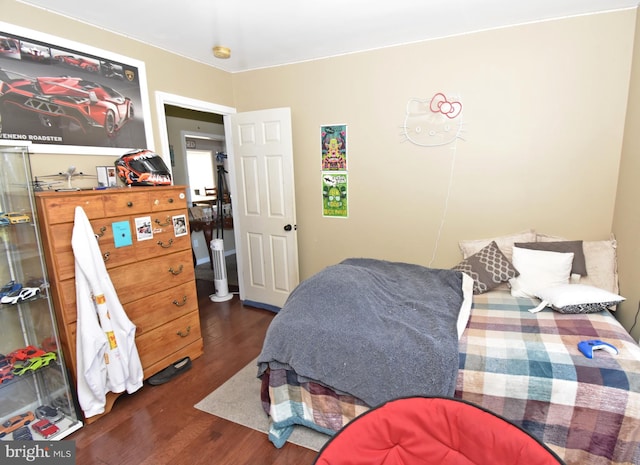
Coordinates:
x,y
525,367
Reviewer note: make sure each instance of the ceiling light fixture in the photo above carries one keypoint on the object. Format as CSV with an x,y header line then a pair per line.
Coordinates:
x,y
221,52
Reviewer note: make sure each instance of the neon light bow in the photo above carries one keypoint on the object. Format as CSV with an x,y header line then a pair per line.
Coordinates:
x,y
440,104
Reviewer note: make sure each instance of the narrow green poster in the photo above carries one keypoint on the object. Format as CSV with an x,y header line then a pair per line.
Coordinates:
x,y
334,194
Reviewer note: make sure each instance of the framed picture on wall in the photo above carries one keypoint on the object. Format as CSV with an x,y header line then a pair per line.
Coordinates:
x,y
66,97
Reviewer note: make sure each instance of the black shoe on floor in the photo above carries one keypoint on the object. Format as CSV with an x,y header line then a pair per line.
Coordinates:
x,y
170,372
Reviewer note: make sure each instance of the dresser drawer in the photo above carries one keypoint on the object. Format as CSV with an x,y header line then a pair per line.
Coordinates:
x,y
165,340
113,256
67,291
164,238
157,309
168,199
63,209
152,276
131,203
147,312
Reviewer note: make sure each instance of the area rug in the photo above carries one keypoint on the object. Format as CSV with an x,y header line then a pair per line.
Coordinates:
x,y
238,400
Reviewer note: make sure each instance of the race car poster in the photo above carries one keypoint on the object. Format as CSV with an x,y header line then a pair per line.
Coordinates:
x,y
64,97
334,147
334,195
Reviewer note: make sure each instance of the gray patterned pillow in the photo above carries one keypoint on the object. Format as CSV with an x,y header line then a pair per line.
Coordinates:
x,y
488,267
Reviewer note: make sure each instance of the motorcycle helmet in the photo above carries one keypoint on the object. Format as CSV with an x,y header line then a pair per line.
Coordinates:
x,y
142,167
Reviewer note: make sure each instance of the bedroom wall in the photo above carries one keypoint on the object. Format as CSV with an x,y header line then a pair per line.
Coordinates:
x,y
166,72
626,222
544,112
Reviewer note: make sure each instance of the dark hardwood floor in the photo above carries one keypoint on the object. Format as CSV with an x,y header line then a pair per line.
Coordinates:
x,y
159,425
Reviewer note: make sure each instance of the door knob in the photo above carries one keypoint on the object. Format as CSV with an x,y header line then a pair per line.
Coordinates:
x,y
288,227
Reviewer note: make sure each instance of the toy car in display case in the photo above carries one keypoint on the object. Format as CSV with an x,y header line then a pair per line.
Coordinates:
x,y
35,384
32,364
45,428
20,295
24,353
10,287
67,102
6,374
22,434
16,422
47,412
15,218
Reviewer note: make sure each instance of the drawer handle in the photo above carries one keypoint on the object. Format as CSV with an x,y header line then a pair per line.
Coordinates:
x,y
170,200
162,244
177,303
129,204
166,223
106,256
184,334
176,272
101,233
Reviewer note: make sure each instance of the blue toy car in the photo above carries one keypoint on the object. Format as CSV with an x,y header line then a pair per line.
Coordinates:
x,y
10,287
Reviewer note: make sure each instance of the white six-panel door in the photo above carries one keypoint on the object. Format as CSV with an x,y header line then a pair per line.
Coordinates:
x,y
264,206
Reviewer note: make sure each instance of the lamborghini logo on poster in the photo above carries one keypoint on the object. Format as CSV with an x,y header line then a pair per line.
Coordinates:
x,y
130,75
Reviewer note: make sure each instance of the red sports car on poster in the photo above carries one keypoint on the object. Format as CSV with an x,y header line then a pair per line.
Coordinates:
x,y
66,102
78,62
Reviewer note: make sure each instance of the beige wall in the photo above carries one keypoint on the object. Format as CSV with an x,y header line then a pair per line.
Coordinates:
x,y
626,224
544,109
544,118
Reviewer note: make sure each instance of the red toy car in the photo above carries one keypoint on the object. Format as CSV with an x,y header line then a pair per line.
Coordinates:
x,y
24,354
45,428
66,102
6,374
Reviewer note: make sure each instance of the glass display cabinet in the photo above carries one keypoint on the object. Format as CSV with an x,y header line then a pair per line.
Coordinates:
x,y
35,396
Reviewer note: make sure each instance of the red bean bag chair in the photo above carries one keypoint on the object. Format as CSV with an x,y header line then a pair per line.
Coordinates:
x,y
433,431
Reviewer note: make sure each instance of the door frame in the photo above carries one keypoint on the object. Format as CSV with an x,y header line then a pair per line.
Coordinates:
x,y
164,98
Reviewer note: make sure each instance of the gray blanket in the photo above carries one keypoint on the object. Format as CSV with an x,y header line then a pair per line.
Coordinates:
x,y
373,329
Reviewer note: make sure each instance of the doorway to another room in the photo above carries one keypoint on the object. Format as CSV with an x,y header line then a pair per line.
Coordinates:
x,y
197,148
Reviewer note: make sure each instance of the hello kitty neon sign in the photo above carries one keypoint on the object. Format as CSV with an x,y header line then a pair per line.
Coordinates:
x,y
433,122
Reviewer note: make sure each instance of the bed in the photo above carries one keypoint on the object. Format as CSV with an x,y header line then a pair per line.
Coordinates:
x,y
521,364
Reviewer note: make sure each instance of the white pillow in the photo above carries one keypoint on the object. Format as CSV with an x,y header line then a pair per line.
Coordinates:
x,y
600,258
539,269
578,298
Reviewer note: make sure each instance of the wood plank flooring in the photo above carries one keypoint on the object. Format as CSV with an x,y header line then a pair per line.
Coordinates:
x,y
158,424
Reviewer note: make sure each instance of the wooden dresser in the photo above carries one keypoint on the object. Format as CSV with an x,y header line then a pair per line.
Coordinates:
x,y
153,276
